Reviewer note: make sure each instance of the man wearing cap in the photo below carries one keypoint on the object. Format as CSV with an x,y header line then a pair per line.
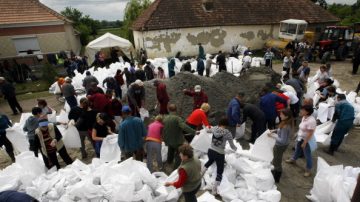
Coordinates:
x,y
69,93
136,97
162,96
49,140
8,91
199,96
131,135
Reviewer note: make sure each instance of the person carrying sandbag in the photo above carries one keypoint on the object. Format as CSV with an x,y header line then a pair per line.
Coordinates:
x,y
216,152
49,139
189,174
197,119
282,141
31,124
4,124
173,135
100,130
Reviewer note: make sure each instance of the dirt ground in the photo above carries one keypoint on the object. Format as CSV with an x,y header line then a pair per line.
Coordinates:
x,y
293,185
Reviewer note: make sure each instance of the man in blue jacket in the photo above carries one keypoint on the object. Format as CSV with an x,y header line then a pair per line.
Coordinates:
x,y
345,115
131,135
234,113
267,105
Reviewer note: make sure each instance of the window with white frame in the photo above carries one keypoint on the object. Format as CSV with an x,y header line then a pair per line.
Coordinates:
x,y
26,45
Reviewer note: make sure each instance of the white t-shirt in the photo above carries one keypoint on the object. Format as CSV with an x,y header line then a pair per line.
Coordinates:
x,y
305,126
293,98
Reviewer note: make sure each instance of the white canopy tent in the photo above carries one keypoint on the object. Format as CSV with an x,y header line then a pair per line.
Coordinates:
x,y
107,41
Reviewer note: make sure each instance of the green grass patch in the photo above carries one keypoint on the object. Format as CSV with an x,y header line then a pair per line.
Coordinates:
x,y
35,95
33,86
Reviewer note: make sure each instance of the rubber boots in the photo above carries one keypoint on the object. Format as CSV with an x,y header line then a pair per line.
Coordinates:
x,y
276,175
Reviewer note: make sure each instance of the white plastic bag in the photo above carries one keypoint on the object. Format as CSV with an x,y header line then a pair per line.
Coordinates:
x,y
240,131
71,137
263,147
52,117
202,142
110,150
271,196
63,117
143,113
17,138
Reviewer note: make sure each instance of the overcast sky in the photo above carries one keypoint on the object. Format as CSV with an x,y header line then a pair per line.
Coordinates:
x,y
111,9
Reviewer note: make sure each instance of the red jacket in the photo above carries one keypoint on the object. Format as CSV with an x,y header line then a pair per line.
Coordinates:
x,y
199,98
279,106
198,118
99,102
161,93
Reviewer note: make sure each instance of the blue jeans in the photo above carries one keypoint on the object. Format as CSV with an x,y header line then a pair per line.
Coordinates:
x,y
306,152
97,148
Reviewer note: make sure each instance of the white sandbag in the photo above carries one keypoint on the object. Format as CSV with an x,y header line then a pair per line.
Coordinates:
x,y
71,137
164,152
207,197
261,179
143,113
202,142
52,117
325,128
263,147
240,131
270,196
110,150
247,194
323,112
227,190
57,89
17,138
63,117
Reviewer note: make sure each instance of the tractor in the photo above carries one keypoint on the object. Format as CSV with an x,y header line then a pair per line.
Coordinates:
x,y
338,40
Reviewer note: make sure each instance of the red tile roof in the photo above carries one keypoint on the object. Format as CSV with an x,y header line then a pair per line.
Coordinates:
x,y
26,11
172,14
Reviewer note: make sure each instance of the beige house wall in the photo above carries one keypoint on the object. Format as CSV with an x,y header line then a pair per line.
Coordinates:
x,y
48,42
166,43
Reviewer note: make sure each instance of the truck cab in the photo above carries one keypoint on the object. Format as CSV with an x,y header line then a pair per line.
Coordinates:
x,y
292,29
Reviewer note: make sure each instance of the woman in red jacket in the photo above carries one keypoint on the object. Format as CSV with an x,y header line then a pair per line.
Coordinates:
x,y
197,119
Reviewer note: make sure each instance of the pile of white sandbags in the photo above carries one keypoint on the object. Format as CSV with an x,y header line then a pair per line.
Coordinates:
x,y
128,181
247,174
333,183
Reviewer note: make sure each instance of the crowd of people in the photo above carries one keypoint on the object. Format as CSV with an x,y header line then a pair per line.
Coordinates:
x,y
100,114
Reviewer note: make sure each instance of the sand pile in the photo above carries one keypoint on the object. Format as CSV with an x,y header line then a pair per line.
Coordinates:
x,y
220,89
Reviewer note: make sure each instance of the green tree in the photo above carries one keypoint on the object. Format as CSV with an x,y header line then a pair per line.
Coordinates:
x,y
72,14
133,10
322,3
349,14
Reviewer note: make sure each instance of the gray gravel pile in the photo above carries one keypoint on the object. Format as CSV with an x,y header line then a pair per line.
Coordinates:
x,y
220,89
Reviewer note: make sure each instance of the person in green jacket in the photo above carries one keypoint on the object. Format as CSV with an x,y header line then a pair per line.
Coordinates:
x,y
201,52
173,135
189,174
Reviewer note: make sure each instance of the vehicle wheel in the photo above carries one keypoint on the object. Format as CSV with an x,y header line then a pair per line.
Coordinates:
x,y
340,53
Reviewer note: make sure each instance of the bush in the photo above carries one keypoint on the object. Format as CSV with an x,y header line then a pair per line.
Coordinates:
x,y
49,73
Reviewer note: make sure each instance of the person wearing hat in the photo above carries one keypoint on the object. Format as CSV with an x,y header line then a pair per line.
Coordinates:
x,y
131,135
136,97
199,96
4,124
69,93
162,96
49,139
8,91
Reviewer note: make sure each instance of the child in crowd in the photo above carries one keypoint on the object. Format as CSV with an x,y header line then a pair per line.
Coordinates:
x,y
153,143
216,152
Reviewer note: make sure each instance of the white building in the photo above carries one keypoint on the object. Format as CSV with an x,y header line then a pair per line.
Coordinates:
x,y
169,26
